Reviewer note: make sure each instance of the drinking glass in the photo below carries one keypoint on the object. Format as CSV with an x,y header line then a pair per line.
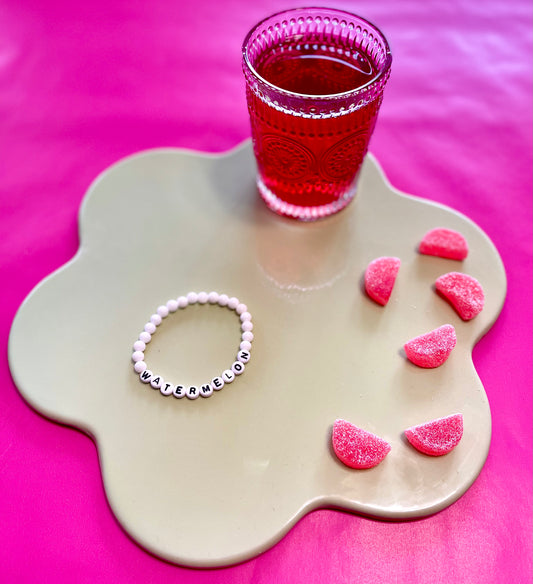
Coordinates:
x,y
314,86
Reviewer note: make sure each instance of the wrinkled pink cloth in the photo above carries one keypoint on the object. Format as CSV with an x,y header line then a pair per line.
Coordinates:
x,y
84,84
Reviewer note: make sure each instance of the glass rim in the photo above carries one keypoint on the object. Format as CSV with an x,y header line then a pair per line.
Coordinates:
x,y
318,97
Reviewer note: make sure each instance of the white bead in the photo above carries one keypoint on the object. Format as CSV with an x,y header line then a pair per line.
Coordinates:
x,y
146,376
243,356
247,326
206,390
192,392
166,388
233,303
137,356
182,302
212,297
139,346
162,311
140,366
217,383
149,327
245,316
228,376
179,391
145,337
156,319
192,298
223,299
241,308
237,367
172,305
157,381
245,345
202,297
247,336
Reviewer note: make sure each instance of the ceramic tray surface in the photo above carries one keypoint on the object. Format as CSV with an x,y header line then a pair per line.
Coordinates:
x,y
215,481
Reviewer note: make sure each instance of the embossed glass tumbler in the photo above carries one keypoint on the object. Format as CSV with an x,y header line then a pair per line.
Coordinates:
x,y
314,85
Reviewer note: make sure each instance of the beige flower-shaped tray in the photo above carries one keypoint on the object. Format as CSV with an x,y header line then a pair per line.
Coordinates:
x,y
215,481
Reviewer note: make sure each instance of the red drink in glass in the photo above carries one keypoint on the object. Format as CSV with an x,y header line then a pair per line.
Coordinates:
x,y
315,81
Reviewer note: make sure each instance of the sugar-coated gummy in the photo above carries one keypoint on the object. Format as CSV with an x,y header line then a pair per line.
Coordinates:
x,y
431,350
444,243
380,276
437,437
357,448
463,292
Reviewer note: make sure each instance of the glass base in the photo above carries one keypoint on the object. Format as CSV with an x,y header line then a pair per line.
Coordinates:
x,y
300,213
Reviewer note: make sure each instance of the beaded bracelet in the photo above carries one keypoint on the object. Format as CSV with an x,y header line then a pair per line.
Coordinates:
x,y
217,383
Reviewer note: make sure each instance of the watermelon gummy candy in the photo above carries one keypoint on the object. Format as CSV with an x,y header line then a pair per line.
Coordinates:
x,y
463,292
357,448
380,276
444,243
437,437
431,349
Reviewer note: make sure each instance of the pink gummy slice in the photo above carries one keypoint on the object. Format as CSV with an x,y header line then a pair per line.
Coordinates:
x,y
437,437
380,276
444,243
463,292
357,448
431,349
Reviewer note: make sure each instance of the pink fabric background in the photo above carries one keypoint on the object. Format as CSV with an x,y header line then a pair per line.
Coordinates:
x,y
84,84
